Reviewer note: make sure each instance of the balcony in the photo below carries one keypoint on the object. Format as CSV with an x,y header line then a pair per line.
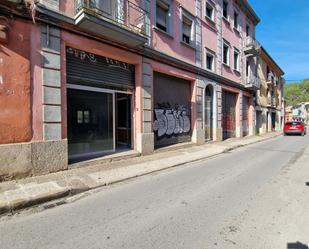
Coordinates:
x,y
272,80
253,83
271,102
121,21
251,46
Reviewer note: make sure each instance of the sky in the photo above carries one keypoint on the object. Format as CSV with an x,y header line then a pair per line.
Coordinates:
x,y
284,33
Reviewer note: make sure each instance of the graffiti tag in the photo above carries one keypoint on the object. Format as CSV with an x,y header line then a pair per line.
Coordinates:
x,y
82,54
172,121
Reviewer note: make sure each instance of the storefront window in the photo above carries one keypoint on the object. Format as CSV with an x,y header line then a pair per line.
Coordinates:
x,y
90,123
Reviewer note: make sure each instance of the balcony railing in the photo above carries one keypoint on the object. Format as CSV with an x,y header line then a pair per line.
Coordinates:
x,y
271,101
253,83
124,14
272,79
251,45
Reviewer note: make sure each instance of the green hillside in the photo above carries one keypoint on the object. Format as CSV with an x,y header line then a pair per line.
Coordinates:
x,y
297,92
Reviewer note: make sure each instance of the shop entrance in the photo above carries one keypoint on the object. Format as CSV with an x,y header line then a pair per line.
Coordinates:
x,y
99,122
123,121
99,103
245,116
228,114
273,121
208,113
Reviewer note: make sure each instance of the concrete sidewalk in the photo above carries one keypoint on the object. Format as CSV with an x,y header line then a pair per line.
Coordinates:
x,y
15,195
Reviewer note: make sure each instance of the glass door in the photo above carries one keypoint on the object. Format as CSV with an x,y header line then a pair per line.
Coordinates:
x,y
90,124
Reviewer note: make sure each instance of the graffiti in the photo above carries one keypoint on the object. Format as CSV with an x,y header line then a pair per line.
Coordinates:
x,y
82,54
171,121
118,64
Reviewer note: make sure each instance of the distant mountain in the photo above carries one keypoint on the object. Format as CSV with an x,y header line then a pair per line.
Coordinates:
x,y
296,93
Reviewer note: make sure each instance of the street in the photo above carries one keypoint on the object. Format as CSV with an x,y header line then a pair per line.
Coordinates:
x,y
229,201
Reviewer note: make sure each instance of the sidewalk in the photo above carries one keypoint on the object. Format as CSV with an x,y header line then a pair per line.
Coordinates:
x,y
15,195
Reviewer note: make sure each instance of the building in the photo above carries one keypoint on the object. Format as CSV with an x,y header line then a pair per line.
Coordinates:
x,y
104,76
270,97
288,113
300,111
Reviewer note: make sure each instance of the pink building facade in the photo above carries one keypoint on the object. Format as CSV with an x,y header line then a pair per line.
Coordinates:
x,y
104,77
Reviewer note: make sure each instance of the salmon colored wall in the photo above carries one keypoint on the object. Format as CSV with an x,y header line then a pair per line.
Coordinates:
x,y
251,109
15,90
234,38
36,83
171,45
67,6
95,47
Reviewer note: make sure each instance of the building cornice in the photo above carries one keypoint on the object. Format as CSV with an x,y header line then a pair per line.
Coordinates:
x,y
244,4
267,55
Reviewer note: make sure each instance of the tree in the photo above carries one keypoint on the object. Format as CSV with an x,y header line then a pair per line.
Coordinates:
x,y
296,93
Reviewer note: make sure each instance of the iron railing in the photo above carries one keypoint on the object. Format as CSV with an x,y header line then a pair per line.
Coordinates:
x,y
252,43
124,13
271,101
253,81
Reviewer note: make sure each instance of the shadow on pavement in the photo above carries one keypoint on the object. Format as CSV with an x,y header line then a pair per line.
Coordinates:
x,y
297,245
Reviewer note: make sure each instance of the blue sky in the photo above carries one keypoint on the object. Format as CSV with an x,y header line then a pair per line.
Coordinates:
x,y
284,33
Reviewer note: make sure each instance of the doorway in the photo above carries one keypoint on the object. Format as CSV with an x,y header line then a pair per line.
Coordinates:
x,y
273,121
245,116
123,110
228,114
208,113
90,124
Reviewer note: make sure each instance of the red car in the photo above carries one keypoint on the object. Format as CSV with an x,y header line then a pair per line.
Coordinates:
x,y
294,127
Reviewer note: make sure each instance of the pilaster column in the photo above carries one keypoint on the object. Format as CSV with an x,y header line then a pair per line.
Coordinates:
x,y
145,137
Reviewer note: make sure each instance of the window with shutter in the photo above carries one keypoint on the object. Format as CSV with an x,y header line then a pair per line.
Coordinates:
x,y
210,60
162,10
186,30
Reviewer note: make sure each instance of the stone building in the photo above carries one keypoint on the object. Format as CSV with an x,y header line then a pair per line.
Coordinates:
x,y
85,79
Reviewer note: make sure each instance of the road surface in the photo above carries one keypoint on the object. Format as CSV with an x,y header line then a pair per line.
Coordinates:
x,y
194,206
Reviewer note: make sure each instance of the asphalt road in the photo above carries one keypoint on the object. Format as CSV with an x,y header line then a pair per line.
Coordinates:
x,y
185,208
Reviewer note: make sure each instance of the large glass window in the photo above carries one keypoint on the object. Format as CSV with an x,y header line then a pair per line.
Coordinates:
x,y
90,123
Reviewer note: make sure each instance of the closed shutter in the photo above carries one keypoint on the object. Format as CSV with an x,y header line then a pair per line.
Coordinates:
x,y
92,70
162,12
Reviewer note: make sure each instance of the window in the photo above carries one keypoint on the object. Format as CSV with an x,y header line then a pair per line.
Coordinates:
x,y
162,16
83,117
210,60
247,30
210,11
236,24
187,29
267,72
236,59
248,67
225,9
226,53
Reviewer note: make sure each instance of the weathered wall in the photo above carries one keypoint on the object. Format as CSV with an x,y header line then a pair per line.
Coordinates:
x,y
15,100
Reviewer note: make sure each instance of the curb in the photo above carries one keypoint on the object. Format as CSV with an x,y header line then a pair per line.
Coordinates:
x,y
19,204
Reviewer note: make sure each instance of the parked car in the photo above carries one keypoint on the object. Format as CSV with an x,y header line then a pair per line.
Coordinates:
x,y
294,127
